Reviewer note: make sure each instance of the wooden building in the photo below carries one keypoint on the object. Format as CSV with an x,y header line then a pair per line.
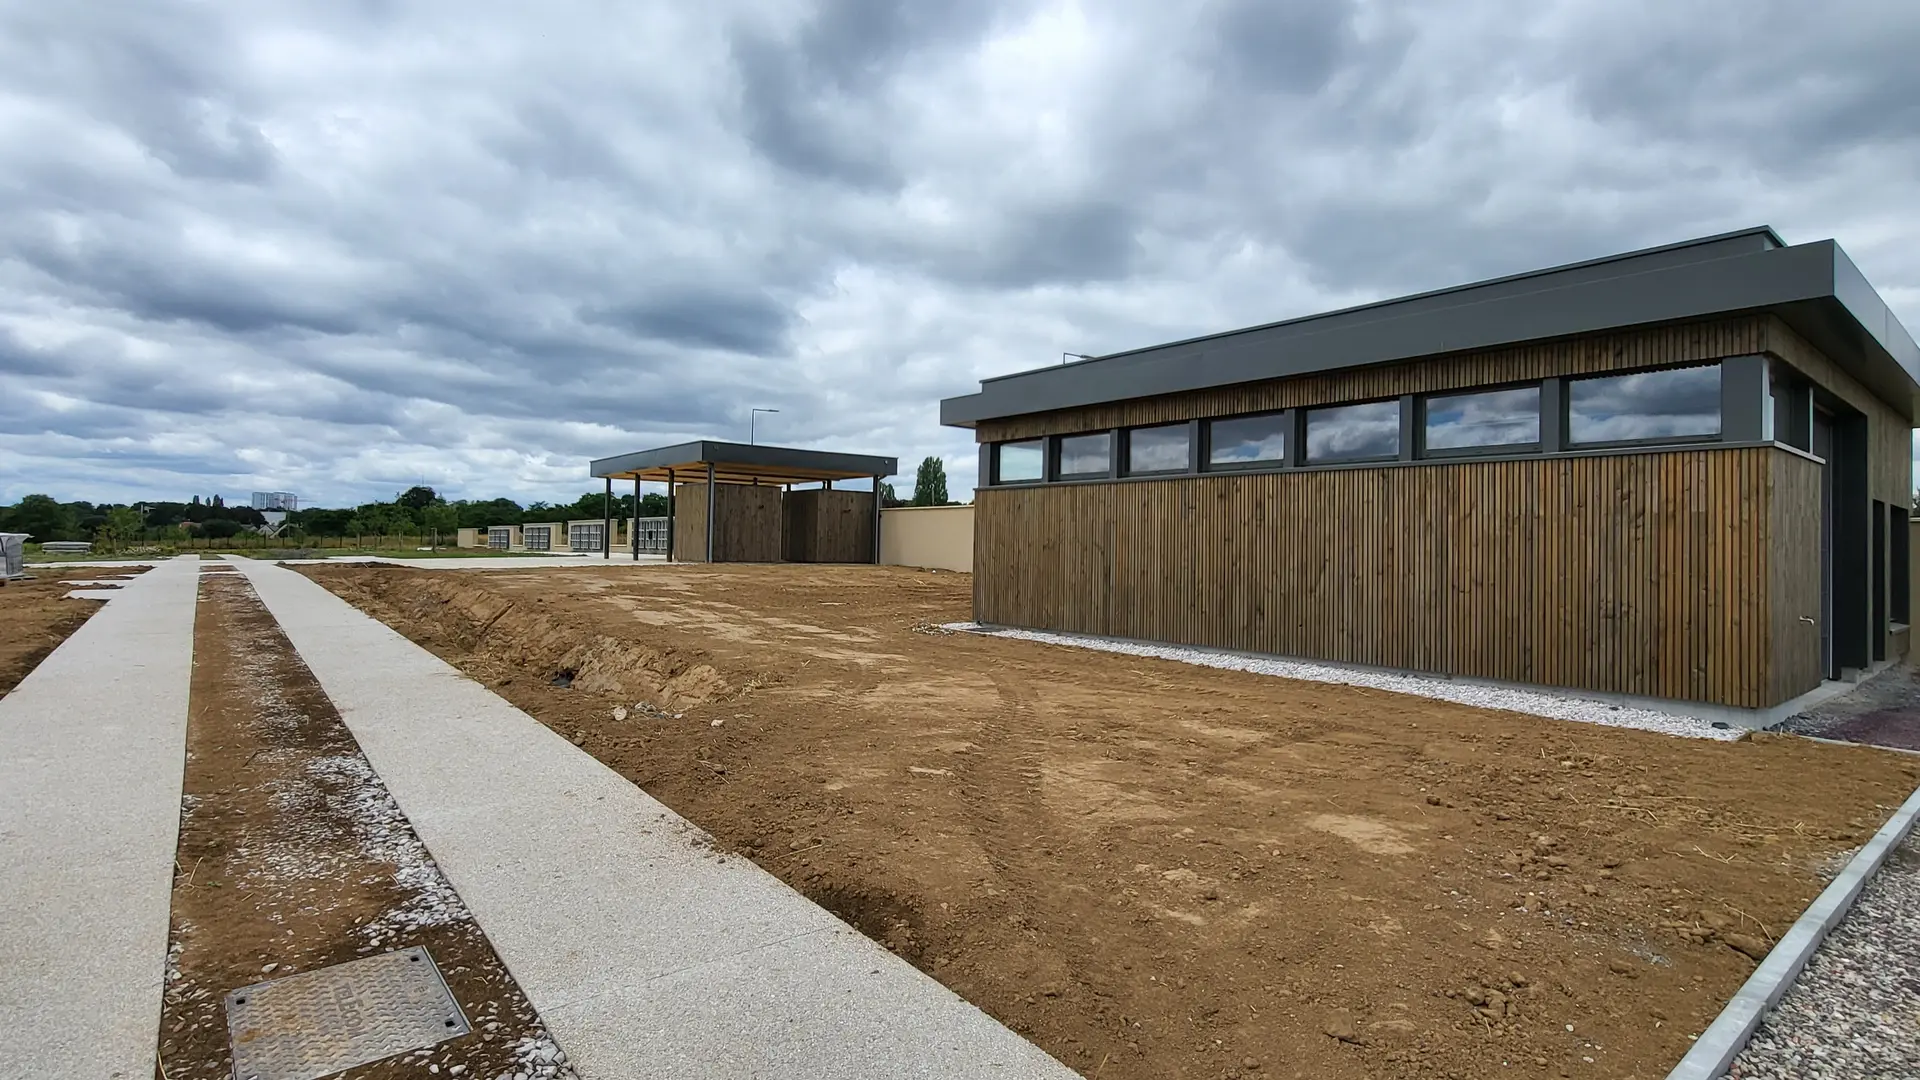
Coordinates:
x,y
732,503
1678,473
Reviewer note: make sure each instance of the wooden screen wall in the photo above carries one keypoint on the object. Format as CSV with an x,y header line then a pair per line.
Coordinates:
x,y
690,522
746,523
1644,573
829,526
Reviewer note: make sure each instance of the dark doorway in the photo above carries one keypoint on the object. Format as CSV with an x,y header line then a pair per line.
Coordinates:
x,y
1823,449
1882,525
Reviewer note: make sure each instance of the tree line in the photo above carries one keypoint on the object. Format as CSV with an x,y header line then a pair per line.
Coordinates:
x,y
417,511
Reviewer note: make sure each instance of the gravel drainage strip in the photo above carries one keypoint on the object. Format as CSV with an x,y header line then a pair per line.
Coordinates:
x,y
1835,1021
296,867
1533,702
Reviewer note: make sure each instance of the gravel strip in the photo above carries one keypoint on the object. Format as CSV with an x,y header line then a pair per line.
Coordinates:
x,y
1535,702
1855,1011
1882,711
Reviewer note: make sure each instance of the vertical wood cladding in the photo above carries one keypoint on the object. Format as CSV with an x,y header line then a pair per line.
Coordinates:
x,y
1794,583
1679,344
1645,573
747,523
1889,435
829,526
690,523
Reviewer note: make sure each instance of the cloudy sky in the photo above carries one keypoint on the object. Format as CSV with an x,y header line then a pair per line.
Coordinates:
x,y
347,246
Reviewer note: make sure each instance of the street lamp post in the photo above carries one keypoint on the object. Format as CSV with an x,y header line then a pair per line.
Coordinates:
x,y
752,417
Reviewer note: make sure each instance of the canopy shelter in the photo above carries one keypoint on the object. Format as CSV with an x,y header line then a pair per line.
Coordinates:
x,y
742,510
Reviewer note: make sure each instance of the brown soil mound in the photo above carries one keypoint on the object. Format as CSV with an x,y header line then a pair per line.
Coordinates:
x,y
527,635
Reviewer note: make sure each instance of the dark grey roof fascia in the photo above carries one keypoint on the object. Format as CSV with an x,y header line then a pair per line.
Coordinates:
x,y
1740,242
1815,287
726,453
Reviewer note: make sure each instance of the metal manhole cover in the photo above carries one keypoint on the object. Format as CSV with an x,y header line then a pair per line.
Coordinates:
x,y
320,1022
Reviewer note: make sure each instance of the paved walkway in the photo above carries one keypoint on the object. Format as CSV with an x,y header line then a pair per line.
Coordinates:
x,y
1882,711
92,748
494,562
646,953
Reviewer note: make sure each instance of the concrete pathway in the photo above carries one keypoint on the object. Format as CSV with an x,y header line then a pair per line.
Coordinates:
x,y
647,954
495,562
92,748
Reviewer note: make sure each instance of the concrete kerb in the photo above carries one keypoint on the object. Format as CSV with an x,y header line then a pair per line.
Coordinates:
x,y
1713,1053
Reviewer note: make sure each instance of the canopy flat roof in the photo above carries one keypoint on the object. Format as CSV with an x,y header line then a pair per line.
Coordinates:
x,y
1814,287
737,463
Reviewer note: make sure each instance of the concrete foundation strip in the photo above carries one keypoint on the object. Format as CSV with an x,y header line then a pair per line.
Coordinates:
x,y
1713,1053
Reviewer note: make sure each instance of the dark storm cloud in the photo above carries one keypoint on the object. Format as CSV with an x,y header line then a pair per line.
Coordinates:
x,y
813,99
702,319
1846,78
340,249
155,70
1283,46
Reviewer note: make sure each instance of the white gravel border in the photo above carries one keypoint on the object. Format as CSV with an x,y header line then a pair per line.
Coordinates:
x,y
1714,1052
1534,702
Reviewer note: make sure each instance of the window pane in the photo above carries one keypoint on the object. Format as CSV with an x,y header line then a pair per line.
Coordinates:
x,y
1086,455
1020,461
1157,449
1488,418
1668,404
1248,440
1354,431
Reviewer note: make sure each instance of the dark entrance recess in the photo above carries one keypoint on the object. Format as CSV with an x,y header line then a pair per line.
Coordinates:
x,y
1855,622
1882,526
1902,568
1823,449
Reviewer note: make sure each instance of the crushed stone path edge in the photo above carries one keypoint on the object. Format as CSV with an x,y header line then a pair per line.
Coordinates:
x,y
1713,1054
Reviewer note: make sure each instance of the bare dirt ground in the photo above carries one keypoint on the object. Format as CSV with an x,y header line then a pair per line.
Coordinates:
x,y
36,616
293,856
1155,870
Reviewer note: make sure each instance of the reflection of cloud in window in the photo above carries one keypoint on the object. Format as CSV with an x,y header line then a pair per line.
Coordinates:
x,y
1252,438
1083,454
1157,449
1494,418
1646,405
1353,431
1020,461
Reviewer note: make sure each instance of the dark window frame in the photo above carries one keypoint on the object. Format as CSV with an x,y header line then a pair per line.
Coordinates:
x,y
1040,440
1289,422
1123,453
1538,445
1056,445
1566,407
1305,425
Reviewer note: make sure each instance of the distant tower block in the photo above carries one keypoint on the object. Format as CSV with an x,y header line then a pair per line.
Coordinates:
x,y
276,500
